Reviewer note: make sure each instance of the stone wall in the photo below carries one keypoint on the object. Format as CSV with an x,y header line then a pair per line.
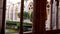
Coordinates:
x,y
1,10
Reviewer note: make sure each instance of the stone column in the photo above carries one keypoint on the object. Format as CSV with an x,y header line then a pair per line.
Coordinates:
x,y
39,17
1,11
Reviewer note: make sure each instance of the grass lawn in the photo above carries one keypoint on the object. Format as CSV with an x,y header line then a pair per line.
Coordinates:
x,y
12,30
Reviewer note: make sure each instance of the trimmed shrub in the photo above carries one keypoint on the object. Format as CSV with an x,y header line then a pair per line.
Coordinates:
x,y
26,25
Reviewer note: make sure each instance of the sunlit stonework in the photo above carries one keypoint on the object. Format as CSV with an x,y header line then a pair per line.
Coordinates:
x,y
48,10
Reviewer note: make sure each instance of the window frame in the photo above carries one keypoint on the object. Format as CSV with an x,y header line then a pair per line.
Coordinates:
x,y
35,30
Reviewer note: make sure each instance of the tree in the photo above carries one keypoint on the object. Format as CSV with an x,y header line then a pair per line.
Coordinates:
x,y
31,16
25,15
19,14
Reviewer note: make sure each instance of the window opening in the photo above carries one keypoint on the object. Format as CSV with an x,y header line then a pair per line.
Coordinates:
x,y
28,15
52,9
12,16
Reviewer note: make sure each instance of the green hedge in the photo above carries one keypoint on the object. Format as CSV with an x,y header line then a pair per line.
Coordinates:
x,y
25,24
17,23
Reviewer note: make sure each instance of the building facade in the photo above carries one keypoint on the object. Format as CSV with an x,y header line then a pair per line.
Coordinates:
x,y
30,7
12,12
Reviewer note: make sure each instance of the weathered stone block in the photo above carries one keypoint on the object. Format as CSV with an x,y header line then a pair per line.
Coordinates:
x,y
1,3
1,18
